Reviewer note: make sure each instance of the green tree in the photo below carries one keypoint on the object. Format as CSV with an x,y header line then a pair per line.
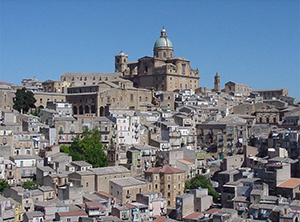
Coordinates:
x,y
88,147
24,100
30,185
203,182
3,185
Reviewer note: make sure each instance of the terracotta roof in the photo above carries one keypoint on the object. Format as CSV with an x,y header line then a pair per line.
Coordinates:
x,y
104,194
160,219
169,169
212,211
186,161
72,213
290,183
153,170
93,205
165,169
193,215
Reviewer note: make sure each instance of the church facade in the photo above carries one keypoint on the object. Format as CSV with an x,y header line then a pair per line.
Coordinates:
x,y
162,72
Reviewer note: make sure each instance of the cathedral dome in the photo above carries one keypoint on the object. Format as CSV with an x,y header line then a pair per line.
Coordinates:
x,y
163,41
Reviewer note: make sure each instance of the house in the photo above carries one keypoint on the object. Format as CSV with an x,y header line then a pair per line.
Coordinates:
x,y
48,192
289,188
81,165
34,216
126,188
84,179
155,201
168,180
7,209
95,209
70,216
104,174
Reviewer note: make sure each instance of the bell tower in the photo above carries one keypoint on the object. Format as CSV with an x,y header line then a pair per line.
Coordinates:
x,y
121,61
217,87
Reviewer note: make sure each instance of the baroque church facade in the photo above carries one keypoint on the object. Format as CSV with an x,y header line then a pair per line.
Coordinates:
x,y
162,72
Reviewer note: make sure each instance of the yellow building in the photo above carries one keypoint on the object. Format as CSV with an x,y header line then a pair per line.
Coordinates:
x,y
167,180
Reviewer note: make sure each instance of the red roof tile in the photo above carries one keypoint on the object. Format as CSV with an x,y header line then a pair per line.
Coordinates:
x,y
160,219
72,213
104,194
169,169
193,215
290,183
93,205
213,210
165,169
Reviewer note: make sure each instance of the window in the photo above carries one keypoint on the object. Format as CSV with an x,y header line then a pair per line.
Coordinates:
x,y
140,190
156,186
169,186
87,184
84,78
169,194
131,97
165,55
169,177
183,68
179,186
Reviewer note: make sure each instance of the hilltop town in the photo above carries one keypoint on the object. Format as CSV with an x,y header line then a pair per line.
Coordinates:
x,y
170,149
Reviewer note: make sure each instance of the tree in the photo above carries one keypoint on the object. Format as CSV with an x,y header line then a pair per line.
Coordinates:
x,y
30,185
3,185
88,147
24,100
201,181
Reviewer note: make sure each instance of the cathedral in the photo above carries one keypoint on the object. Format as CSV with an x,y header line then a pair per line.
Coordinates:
x,y
162,72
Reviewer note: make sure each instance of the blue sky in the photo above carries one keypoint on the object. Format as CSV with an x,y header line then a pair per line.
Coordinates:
x,y
250,42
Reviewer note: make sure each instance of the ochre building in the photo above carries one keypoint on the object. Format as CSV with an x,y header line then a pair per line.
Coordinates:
x,y
162,72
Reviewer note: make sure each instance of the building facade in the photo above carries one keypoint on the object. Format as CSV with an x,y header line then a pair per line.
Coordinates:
x,y
162,72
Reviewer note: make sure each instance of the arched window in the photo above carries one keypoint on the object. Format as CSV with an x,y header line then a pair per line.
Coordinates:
x,y
165,55
87,109
75,110
80,110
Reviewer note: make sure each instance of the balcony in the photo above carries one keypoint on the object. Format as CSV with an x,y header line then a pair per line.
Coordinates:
x,y
27,175
175,134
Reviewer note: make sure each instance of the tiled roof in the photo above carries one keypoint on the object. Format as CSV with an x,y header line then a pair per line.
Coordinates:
x,y
93,205
165,169
290,183
193,215
160,219
104,194
186,161
72,213
213,210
